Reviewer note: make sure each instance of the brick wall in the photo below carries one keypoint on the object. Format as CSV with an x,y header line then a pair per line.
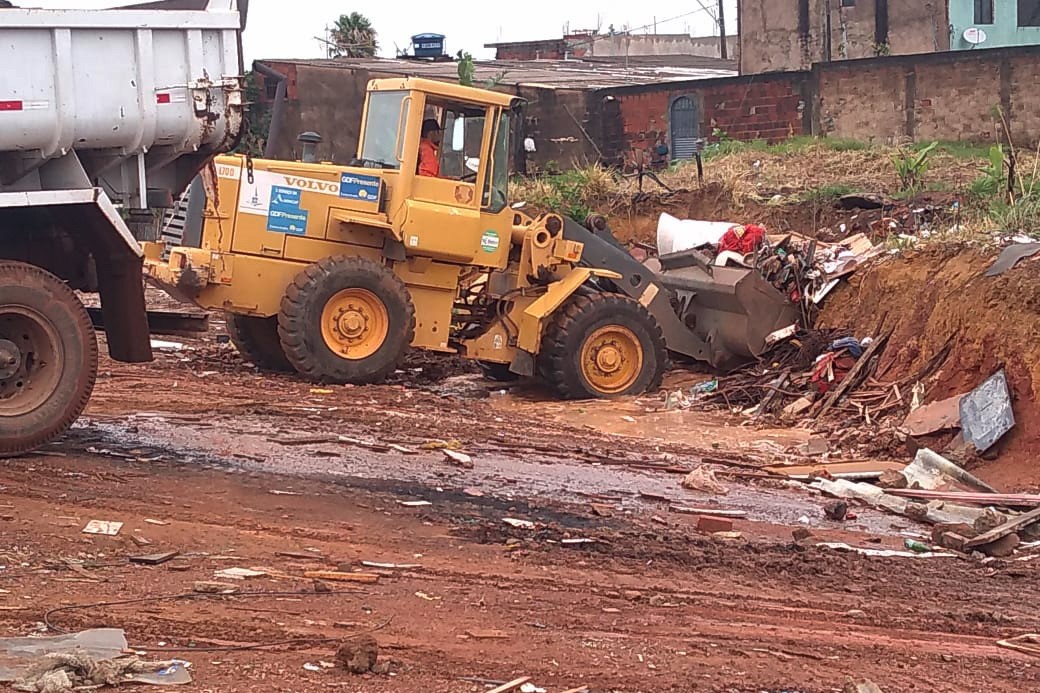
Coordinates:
x,y
531,50
770,108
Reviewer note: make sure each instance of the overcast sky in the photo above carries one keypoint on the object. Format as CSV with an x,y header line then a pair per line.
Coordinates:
x,y
287,28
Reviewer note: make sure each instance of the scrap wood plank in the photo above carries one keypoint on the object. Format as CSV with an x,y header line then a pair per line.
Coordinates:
x,y
1019,644
937,416
836,469
336,576
1014,500
854,375
516,683
1005,529
155,558
304,440
712,512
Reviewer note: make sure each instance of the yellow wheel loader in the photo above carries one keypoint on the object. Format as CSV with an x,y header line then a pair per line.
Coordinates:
x,y
336,271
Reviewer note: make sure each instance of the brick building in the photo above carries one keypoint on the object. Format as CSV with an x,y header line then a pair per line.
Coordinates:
x,y
578,112
565,111
781,35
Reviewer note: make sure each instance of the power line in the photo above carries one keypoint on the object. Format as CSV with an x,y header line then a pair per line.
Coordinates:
x,y
651,24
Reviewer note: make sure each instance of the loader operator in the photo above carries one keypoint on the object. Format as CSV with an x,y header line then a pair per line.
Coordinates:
x,y
430,149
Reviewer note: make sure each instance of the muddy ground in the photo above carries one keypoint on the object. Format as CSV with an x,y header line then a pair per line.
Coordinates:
x,y
200,454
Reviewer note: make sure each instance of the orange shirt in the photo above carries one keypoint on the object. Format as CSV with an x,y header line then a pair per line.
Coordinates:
x,y
429,159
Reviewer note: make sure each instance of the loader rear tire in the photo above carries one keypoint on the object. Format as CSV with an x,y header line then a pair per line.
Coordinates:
x,y
257,341
346,319
48,357
603,345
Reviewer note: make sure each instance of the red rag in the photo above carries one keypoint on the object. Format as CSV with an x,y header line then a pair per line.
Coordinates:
x,y
748,243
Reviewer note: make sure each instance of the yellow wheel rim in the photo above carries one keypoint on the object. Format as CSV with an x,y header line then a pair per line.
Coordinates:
x,y
354,323
611,359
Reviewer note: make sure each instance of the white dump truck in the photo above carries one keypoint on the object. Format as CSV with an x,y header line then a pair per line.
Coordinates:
x,y
105,117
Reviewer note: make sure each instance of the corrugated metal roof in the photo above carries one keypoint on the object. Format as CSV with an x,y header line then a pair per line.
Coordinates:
x,y
589,73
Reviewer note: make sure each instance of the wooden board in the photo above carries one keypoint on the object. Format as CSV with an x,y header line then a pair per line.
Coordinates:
x,y
1005,529
836,469
155,558
336,576
1011,500
511,685
932,418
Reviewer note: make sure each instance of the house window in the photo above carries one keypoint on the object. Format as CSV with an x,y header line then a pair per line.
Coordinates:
x,y
848,3
271,89
1029,12
983,11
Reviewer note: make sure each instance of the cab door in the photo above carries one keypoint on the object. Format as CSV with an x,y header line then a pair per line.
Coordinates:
x,y
444,217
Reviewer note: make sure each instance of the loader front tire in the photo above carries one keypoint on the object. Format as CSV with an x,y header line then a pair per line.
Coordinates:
x,y
257,341
346,319
603,345
48,357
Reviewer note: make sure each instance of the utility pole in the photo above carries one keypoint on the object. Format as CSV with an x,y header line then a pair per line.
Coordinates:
x,y
723,52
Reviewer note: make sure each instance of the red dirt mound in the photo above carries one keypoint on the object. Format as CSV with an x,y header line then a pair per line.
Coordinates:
x,y
935,295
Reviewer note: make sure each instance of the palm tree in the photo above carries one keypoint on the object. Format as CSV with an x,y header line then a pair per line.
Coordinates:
x,y
353,37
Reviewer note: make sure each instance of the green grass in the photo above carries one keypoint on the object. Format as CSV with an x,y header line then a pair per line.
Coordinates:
x,y
827,193
958,150
791,145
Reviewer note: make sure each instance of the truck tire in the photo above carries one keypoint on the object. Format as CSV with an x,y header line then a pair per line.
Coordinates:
x,y
257,341
602,345
346,320
48,357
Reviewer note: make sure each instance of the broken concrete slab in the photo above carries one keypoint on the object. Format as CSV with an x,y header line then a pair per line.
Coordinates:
x,y
986,413
932,418
876,498
930,471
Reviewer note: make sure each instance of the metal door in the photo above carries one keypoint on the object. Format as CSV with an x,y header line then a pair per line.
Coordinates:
x,y
685,127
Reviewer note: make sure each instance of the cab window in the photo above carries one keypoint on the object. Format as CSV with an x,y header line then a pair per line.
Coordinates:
x,y
462,134
387,110
496,189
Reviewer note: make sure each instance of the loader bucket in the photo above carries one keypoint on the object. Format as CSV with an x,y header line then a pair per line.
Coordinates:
x,y
733,310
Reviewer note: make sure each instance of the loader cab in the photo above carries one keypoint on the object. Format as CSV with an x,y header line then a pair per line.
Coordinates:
x,y
461,215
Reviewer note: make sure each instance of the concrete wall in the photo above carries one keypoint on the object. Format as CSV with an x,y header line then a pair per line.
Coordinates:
x,y
661,44
1004,31
778,35
636,45
325,100
330,100
945,96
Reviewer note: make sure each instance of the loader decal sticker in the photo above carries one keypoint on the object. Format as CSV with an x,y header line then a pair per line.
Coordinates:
x,y
489,241
285,215
353,186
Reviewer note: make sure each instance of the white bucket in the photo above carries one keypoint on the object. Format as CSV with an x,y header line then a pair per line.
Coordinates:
x,y
675,235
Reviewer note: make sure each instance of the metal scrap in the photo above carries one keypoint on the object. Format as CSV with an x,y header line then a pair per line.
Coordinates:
x,y
986,413
1011,256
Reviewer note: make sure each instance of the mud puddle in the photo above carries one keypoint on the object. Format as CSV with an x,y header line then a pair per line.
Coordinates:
x,y
247,446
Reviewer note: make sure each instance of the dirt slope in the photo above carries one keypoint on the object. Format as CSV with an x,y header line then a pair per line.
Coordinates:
x,y
931,296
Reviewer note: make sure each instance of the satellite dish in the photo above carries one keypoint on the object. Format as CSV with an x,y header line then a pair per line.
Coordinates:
x,y
974,35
